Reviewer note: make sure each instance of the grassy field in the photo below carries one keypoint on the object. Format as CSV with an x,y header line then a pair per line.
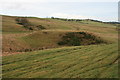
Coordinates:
x,y
94,61
15,34
23,57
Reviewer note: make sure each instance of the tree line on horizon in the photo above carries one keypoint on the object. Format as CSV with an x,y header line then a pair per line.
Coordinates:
x,y
65,19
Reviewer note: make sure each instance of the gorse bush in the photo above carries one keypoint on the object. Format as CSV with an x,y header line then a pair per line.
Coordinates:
x,y
24,22
79,38
40,27
28,25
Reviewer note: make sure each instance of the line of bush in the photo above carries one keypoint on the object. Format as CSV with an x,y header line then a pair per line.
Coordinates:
x,y
26,24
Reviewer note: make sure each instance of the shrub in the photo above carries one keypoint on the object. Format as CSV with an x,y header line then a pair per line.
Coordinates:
x,y
79,38
41,27
24,22
30,28
52,18
70,39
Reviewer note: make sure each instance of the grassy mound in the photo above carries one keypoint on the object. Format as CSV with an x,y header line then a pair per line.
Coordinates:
x,y
24,42
40,40
49,33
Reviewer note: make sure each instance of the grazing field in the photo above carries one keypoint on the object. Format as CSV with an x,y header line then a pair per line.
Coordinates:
x,y
16,38
93,61
32,50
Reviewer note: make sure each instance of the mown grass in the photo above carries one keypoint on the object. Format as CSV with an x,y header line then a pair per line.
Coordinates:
x,y
93,61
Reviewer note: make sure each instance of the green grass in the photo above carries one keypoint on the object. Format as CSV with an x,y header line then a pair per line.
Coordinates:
x,y
91,61
43,39
9,24
94,61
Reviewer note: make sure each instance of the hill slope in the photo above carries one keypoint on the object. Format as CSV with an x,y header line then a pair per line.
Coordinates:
x,y
89,61
94,61
24,39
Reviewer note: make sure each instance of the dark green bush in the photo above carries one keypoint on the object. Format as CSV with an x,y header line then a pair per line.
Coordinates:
x,y
70,39
41,27
79,38
30,28
63,19
24,22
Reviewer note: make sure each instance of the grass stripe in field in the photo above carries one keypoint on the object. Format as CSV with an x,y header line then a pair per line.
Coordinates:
x,y
88,62
60,60
83,61
37,63
39,58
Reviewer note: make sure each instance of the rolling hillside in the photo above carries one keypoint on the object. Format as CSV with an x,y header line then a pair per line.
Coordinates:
x,y
24,39
34,52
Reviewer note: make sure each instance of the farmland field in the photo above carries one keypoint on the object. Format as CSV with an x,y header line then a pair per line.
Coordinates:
x,y
98,61
37,54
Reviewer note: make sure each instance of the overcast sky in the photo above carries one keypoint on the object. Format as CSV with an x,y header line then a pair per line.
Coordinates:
x,y
104,10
